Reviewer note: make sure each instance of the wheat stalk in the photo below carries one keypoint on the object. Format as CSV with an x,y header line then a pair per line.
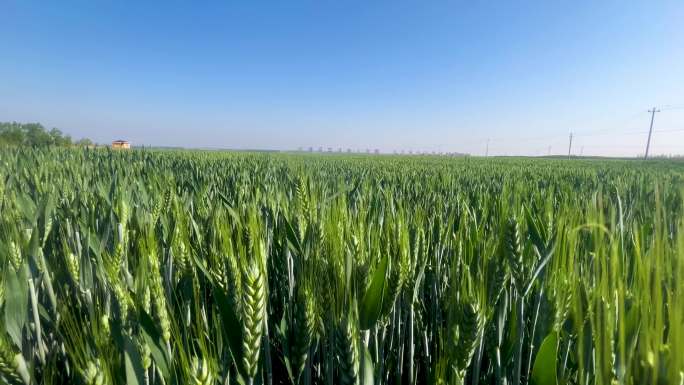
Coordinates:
x,y
346,345
253,311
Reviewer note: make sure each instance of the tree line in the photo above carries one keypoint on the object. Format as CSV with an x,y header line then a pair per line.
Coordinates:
x,y
35,135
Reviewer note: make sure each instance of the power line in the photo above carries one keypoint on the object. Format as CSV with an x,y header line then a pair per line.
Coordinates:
x,y
556,140
669,107
628,132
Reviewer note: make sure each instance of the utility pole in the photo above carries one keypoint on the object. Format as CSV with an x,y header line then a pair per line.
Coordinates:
x,y
570,146
487,149
549,153
650,131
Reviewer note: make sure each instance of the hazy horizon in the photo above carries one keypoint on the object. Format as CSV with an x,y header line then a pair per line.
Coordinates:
x,y
396,76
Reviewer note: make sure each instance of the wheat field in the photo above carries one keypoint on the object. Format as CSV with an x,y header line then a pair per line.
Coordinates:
x,y
195,267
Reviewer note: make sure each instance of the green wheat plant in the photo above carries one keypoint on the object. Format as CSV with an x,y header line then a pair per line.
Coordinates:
x,y
160,267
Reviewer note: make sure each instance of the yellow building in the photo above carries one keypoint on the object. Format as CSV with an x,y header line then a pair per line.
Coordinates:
x,y
122,144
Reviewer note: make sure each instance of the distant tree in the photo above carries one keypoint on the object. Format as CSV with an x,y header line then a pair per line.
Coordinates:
x,y
33,135
11,134
57,138
85,142
36,135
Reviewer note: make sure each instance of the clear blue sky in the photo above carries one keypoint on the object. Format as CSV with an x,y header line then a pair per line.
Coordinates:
x,y
393,75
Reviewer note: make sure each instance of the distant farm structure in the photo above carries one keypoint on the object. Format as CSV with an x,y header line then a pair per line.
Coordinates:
x,y
121,144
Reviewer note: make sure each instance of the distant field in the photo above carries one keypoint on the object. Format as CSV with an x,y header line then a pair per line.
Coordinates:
x,y
209,267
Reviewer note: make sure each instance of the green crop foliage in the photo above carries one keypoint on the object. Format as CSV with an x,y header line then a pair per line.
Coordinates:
x,y
195,267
